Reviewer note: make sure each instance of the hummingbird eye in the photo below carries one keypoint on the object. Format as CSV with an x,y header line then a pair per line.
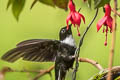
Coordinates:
x,y
63,31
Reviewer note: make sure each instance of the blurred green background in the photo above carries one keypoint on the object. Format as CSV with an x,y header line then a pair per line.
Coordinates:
x,y
45,22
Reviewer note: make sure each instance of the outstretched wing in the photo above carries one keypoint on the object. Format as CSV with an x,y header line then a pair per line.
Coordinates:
x,y
38,50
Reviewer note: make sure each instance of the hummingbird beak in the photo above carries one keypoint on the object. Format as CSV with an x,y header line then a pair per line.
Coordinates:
x,y
69,29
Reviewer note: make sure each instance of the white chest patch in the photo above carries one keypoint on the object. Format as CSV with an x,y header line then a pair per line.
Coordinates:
x,y
69,40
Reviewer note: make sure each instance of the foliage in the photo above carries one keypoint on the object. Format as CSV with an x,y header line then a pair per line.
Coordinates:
x,y
103,74
100,3
18,5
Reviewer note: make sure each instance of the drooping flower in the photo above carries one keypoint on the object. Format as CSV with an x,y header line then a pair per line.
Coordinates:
x,y
74,16
106,21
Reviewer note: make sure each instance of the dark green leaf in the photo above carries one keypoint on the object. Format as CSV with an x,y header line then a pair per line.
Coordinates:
x,y
89,3
61,3
48,2
10,2
100,3
34,2
17,7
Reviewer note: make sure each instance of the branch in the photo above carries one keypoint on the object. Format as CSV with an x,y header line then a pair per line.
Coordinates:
x,y
47,71
114,73
7,69
3,72
115,68
80,44
94,63
116,12
43,72
111,55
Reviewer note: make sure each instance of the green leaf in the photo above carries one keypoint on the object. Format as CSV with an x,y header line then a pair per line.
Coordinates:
x,y
89,3
48,2
61,3
34,2
117,78
17,8
100,3
10,2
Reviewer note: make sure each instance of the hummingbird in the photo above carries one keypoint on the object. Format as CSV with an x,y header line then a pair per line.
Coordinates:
x,y
46,50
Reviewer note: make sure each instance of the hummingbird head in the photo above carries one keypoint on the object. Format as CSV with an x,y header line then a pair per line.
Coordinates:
x,y
64,32
66,36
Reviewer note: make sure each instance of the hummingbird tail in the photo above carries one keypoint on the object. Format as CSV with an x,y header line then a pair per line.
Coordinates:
x,y
60,73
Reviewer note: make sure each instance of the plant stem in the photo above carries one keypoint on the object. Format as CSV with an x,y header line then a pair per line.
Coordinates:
x,y
116,12
48,71
80,44
94,63
111,55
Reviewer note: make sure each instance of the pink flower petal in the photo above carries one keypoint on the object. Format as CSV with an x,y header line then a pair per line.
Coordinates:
x,y
74,16
101,22
72,19
82,17
106,21
77,18
109,22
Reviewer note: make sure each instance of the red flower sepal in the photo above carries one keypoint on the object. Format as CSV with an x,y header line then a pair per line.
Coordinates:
x,y
106,21
74,16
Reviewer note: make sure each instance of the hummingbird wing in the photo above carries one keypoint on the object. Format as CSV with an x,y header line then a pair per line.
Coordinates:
x,y
38,50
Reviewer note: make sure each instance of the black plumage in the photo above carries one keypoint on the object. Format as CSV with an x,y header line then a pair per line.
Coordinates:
x,y
41,50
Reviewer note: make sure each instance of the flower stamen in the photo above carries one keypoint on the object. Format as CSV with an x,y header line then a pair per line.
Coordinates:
x,y
78,31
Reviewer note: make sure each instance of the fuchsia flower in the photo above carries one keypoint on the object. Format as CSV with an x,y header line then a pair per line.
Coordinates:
x,y
106,21
74,16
